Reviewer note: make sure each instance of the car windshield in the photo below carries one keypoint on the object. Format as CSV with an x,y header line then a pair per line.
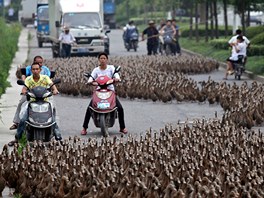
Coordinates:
x,y
78,20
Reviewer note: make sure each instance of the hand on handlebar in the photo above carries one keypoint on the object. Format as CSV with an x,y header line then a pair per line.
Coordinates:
x,y
55,92
94,83
116,80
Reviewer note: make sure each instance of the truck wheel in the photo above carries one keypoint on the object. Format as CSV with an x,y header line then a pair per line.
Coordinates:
x,y
107,51
104,130
40,44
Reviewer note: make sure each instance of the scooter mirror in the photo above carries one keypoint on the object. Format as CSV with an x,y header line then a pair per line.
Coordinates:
x,y
87,75
117,69
20,82
56,81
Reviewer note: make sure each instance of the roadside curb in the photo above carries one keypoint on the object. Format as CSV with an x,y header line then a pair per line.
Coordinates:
x,y
11,97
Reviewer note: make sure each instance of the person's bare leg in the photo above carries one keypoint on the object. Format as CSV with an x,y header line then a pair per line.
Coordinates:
x,y
228,68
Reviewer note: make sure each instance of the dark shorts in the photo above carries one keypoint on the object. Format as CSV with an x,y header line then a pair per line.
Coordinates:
x,y
232,61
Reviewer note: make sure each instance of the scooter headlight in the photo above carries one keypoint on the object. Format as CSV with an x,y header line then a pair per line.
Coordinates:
x,y
39,108
103,95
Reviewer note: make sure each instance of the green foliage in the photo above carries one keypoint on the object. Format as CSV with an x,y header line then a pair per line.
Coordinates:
x,y
8,48
255,64
22,143
17,196
252,31
185,32
219,44
258,39
256,50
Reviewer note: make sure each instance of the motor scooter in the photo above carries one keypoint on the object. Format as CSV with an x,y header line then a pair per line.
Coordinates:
x,y
239,67
168,44
41,115
132,42
103,109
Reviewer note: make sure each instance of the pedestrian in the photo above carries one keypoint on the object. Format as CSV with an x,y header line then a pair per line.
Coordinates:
x,y
177,37
152,38
105,69
67,40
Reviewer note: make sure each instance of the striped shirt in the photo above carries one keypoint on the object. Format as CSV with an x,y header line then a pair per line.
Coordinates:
x,y
43,81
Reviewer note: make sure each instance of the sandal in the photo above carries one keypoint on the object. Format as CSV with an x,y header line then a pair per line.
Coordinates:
x,y
12,142
14,126
124,131
83,132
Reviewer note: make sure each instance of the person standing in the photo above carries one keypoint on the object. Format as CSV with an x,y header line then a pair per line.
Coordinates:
x,y
152,38
177,37
67,40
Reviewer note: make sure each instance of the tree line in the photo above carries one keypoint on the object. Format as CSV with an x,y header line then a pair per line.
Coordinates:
x,y
202,11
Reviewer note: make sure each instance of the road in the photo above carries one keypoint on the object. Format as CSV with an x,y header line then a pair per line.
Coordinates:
x,y
140,115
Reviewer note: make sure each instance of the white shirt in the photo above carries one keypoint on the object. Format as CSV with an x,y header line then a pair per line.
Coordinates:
x,y
234,39
239,49
109,71
66,38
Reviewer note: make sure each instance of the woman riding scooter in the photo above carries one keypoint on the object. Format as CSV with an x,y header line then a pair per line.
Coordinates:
x,y
105,69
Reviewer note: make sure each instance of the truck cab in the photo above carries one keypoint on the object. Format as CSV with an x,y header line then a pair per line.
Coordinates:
x,y
42,22
85,21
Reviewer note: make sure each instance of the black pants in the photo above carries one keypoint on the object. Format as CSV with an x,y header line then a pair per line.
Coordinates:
x,y
177,47
120,111
66,50
152,48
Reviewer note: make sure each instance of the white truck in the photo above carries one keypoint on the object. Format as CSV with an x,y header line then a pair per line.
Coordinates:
x,y
85,21
27,13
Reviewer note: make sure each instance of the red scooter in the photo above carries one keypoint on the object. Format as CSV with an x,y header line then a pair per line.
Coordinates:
x,y
103,109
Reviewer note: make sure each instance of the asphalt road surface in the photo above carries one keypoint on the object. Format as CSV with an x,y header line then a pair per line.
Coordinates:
x,y
140,115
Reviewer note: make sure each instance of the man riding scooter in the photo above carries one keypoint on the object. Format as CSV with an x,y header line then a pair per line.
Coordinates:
x,y
36,79
130,32
168,32
44,71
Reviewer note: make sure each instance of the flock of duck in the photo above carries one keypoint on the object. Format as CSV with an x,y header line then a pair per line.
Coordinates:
x,y
211,158
217,157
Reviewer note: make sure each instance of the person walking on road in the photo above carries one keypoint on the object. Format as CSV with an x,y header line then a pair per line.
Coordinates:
x,y
67,40
152,38
177,37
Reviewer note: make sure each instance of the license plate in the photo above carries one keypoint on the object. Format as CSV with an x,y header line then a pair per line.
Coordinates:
x,y
82,50
103,105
